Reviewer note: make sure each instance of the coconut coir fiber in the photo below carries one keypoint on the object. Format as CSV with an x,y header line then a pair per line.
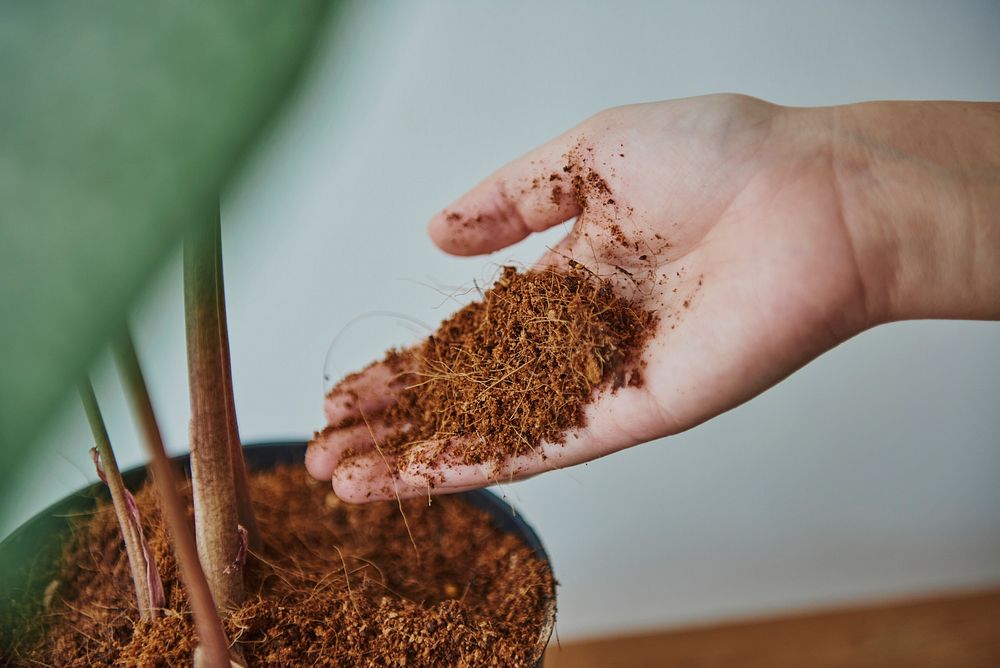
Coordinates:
x,y
516,369
335,585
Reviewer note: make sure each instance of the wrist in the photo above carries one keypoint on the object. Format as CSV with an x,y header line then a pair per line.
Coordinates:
x,y
919,189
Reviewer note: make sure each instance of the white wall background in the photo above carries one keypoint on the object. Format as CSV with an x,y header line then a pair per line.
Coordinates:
x,y
873,472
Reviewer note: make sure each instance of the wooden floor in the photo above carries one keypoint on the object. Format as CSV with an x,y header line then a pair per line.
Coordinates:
x,y
945,632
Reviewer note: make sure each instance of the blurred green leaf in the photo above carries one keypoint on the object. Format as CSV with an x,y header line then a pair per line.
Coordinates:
x,y
120,122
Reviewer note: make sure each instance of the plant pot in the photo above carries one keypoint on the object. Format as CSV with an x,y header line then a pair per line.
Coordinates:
x,y
29,556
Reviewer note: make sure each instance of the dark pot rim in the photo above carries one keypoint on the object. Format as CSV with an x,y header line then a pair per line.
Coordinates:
x,y
20,552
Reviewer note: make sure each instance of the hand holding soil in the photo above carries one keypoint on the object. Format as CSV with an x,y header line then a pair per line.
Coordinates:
x,y
720,243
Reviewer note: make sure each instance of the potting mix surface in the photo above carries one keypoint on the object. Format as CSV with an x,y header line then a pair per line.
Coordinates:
x,y
382,584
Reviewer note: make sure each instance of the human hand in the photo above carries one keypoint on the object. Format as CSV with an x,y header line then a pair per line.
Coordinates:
x,y
739,222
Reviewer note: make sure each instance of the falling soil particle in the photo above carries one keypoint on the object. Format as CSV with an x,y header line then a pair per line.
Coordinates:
x,y
335,585
515,370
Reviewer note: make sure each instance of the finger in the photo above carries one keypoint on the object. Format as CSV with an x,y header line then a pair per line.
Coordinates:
x,y
329,446
370,477
443,472
530,194
369,391
613,422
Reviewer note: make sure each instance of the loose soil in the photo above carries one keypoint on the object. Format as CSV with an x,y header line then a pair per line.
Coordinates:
x,y
505,374
335,585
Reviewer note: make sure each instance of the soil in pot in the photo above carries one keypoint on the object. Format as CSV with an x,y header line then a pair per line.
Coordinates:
x,y
336,584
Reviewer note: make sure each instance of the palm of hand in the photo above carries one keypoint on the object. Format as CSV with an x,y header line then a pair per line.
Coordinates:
x,y
709,211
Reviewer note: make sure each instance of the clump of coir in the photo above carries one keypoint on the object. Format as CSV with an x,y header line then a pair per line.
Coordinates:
x,y
516,369
335,584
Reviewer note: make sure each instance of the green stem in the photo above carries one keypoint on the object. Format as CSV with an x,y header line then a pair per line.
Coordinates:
x,y
130,529
208,623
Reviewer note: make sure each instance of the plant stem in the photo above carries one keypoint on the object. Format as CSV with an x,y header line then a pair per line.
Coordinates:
x,y
216,518
130,529
242,485
208,623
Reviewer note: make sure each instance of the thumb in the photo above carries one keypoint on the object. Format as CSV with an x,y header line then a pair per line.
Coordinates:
x,y
530,194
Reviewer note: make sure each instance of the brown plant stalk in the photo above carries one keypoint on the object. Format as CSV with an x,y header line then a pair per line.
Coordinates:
x,y
213,644
243,501
216,515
